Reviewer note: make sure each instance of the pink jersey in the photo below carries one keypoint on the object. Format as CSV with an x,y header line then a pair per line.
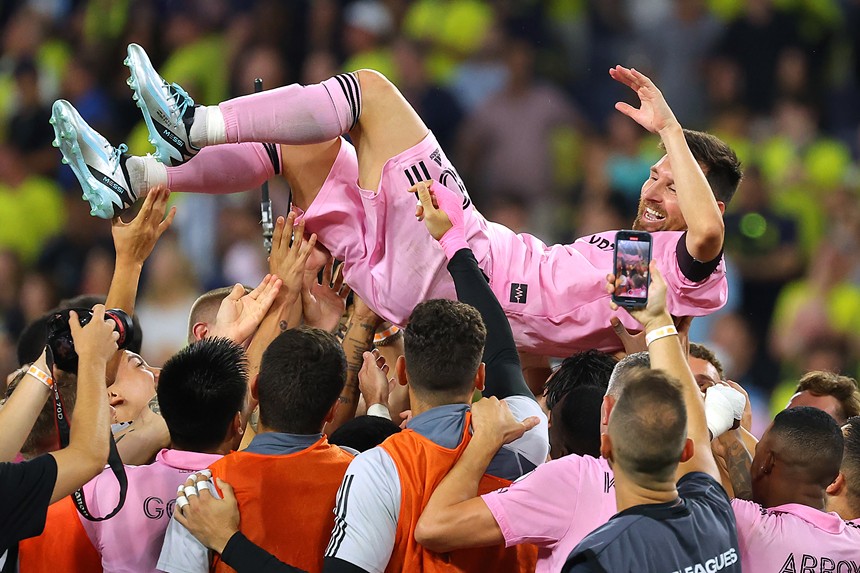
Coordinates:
x,y
554,297
795,537
131,540
555,507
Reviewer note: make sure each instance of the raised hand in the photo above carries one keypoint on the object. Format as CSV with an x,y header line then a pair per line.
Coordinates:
x,y
442,213
323,303
290,253
373,380
493,421
211,520
135,240
96,340
240,314
654,114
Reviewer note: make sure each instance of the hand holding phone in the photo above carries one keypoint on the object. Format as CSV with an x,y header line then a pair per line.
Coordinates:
x,y
632,277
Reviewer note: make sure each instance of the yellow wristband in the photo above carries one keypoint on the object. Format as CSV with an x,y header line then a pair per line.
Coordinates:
x,y
41,376
659,333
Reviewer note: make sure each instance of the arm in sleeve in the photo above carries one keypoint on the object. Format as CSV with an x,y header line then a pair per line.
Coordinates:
x,y
181,552
365,516
245,556
504,374
693,270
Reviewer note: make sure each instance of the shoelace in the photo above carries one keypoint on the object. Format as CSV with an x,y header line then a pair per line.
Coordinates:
x,y
117,151
181,100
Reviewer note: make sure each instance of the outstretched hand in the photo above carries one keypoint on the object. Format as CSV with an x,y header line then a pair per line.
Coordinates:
x,y
290,253
323,303
135,240
98,339
442,213
240,314
654,114
373,380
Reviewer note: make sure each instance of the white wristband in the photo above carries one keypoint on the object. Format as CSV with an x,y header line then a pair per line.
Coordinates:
x,y
379,411
659,333
41,376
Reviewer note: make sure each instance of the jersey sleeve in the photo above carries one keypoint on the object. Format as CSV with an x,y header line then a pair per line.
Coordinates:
x,y
366,512
527,511
534,444
748,518
686,297
181,552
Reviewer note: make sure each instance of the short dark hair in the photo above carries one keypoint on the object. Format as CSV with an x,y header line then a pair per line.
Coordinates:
x,y
648,426
200,390
301,376
443,345
842,388
720,163
363,432
575,393
851,460
811,442
702,352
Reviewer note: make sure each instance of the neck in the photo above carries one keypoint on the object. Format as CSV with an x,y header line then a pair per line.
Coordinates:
x,y
809,495
842,505
419,405
628,493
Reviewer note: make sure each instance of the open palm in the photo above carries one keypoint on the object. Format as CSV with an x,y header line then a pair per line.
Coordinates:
x,y
653,113
323,303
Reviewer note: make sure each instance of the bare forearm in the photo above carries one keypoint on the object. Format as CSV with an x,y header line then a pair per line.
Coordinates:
x,y
738,463
695,197
123,286
19,414
357,340
284,315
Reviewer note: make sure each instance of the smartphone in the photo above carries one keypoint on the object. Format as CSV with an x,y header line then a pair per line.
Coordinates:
x,y
632,277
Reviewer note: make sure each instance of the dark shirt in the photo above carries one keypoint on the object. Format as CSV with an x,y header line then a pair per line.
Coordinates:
x,y
25,494
695,532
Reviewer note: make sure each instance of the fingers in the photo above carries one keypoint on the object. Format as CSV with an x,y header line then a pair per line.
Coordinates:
x,y
237,292
337,283
148,202
626,109
227,493
529,423
620,330
164,225
424,196
327,272
278,233
298,233
656,276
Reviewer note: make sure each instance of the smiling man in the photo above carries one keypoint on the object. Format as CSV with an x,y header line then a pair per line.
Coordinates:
x,y
353,196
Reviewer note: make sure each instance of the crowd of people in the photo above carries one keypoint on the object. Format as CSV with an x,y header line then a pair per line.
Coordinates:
x,y
410,382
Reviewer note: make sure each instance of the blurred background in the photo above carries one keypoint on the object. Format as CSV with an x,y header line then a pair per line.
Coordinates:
x,y
517,92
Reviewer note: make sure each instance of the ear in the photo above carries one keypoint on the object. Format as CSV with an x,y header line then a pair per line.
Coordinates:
x,y
606,447
200,330
689,451
400,368
722,207
238,425
329,416
480,377
253,387
838,485
769,462
606,409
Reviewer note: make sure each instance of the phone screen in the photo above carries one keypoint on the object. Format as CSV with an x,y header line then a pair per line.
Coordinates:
x,y
632,257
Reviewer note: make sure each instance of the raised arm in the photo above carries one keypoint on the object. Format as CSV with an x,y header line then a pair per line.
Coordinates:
x,y
20,411
443,215
87,452
701,211
668,355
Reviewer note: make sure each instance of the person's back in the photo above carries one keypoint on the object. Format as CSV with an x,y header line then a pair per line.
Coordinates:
x,y
386,488
785,526
287,479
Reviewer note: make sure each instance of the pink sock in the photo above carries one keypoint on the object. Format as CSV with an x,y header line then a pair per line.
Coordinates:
x,y
227,168
295,114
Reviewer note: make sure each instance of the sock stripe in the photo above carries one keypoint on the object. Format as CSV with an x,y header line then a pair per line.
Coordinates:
x,y
354,78
272,152
347,87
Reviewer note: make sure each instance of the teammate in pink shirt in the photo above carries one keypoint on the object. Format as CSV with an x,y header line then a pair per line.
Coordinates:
x,y
354,199
785,528
202,394
843,495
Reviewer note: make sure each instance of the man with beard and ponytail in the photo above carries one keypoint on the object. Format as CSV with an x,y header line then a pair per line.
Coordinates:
x,y
352,196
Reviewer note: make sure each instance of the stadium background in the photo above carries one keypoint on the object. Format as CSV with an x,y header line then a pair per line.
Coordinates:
x,y
518,93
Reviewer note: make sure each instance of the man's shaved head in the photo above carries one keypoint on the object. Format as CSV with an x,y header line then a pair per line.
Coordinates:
x,y
802,447
851,461
618,379
205,309
648,427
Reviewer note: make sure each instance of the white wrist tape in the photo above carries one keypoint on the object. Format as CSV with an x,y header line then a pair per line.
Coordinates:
x,y
723,405
659,333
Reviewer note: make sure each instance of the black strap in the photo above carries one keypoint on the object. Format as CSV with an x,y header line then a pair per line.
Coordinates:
x,y
114,459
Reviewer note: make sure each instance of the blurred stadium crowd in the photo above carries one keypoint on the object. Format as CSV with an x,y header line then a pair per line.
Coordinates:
x,y
517,92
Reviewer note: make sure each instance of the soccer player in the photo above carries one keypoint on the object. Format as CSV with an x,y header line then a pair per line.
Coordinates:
x,y
352,196
786,527
843,495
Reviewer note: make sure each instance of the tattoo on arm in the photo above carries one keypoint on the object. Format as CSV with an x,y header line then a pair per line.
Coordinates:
x,y
154,406
283,326
739,462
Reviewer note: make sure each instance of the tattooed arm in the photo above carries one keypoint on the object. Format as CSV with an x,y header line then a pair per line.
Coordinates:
x,y
357,340
735,461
